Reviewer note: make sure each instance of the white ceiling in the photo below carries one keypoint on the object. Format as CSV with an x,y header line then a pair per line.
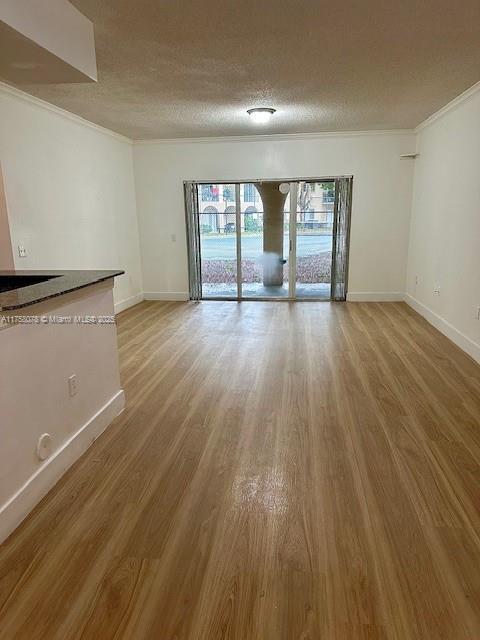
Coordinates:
x,y
191,68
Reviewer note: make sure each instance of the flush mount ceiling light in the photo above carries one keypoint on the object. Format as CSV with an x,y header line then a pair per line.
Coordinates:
x,y
261,115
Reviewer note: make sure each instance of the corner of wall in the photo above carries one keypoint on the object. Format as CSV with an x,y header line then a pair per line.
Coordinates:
x,y
137,216
448,148
6,251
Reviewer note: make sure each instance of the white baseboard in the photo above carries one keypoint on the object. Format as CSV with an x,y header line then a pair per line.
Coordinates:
x,y
456,336
128,302
47,475
375,296
166,295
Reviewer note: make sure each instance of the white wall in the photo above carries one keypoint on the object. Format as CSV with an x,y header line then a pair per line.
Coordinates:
x,y
381,198
70,192
6,255
445,228
36,361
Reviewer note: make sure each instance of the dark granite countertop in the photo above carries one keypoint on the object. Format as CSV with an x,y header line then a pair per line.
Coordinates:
x,y
59,282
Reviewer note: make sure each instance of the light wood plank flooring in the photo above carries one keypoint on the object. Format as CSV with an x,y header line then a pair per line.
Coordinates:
x,y
282,471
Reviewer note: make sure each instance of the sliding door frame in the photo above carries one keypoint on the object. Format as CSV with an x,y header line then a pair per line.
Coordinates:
x,y
294,182
238,237
292,244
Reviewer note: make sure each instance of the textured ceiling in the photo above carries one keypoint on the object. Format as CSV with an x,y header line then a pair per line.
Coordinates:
x,y
190,68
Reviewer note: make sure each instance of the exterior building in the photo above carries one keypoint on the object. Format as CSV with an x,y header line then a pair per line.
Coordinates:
x,y
217,207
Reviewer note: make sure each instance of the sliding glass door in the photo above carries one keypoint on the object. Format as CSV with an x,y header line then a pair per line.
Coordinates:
x,y
314,234
268,239
264,242
218,239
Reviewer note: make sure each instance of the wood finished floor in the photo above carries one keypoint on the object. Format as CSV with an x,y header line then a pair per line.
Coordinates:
x,y
282,471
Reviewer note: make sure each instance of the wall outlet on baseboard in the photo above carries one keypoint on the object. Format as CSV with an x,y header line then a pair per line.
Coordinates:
x,y
72,385
44,446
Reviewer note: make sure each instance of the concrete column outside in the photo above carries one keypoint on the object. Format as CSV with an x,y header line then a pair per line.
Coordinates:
x,y
273,201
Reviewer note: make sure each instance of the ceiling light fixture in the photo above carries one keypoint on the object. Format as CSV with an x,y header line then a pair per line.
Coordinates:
x,y
261,115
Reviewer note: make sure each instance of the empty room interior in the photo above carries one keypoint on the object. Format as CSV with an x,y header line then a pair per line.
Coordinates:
x,y
239,320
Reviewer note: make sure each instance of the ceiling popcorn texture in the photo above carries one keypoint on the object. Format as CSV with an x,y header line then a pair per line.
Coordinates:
x,y
190,68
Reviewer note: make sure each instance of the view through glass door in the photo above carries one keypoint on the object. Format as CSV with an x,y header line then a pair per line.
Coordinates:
x,y
218,239
265,239
314,233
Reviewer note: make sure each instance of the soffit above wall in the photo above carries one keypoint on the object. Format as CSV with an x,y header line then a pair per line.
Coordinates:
x,y
45,42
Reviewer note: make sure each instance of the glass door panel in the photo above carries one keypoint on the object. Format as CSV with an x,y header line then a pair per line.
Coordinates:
x,y
218,247
314,229
264,240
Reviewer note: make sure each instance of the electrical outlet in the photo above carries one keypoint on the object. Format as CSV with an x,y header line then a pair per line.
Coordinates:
x,y
416,279
44,446
478,313
22,252
437,290
72,385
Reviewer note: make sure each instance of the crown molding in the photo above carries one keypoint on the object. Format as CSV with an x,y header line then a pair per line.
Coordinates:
x,y
450,106
453,104
275,137
26,97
